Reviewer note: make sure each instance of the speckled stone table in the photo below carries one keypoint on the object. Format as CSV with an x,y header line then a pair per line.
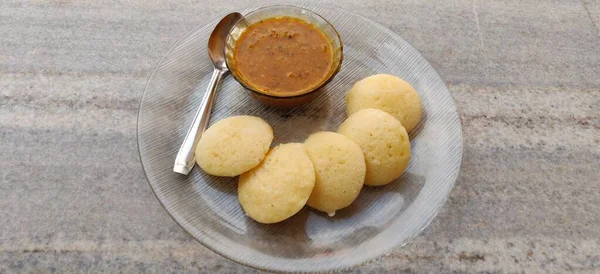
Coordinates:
x,y
525,76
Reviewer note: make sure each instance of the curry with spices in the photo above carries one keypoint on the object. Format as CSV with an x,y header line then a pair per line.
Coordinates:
x,y
283,55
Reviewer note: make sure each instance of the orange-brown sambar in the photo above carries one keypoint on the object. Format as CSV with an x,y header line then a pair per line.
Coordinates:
x,y
283,56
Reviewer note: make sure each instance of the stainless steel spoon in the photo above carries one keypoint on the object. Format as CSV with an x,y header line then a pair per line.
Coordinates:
x,y
185,160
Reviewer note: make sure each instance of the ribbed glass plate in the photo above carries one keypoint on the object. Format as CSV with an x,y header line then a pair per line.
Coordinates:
x,y
379,220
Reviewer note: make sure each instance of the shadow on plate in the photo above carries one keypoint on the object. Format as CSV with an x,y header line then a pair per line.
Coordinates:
x,y
312,233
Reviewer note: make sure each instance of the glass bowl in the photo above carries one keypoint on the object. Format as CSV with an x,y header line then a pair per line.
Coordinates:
x,y
288,99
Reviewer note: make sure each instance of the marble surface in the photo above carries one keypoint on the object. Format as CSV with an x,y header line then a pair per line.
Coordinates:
x,y
525,76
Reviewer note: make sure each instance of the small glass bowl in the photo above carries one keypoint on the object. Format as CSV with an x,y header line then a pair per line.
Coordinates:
x,y
293,99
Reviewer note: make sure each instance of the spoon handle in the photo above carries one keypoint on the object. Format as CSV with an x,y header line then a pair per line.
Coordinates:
x,y
185,160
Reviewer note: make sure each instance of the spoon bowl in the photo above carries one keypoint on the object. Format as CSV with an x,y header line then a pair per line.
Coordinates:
x,y
216,42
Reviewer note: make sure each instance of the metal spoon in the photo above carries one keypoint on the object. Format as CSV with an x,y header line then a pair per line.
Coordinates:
x,y
185,160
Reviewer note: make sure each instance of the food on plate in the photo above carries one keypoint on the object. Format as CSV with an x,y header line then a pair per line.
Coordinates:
x,y
280,186
234,145
388,93
384,142
283,56
340,171
328,171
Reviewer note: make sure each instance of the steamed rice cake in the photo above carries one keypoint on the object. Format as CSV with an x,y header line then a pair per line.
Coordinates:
x,y
280,186
233,145
388,93
384,142
340,171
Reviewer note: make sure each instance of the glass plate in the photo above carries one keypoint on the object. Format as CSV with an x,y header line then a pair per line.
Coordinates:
x,y
379,220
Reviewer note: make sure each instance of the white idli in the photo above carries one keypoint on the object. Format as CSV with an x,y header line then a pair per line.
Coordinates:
x,y
233,145
280,186
388,93
383,141
340,171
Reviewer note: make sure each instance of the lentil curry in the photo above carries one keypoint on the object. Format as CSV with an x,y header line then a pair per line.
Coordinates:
x,y
283,55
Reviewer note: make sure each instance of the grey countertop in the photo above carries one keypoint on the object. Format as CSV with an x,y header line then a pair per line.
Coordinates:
x,y
525,76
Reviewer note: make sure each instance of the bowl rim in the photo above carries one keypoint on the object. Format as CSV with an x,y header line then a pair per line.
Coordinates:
x,y
295,95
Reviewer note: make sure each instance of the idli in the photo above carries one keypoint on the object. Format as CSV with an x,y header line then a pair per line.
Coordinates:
x,y
233,145
280,186
340,171
388,93
384,142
